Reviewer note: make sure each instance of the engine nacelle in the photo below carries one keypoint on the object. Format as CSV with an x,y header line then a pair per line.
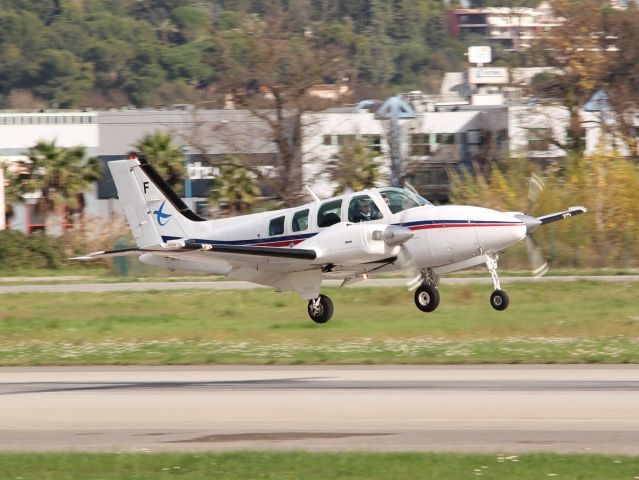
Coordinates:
x,y
353,243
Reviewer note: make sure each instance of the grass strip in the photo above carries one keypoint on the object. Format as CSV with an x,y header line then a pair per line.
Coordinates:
x,y
582,322
303,465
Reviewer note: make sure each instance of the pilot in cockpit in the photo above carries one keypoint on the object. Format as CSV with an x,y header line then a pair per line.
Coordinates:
x,y
365,210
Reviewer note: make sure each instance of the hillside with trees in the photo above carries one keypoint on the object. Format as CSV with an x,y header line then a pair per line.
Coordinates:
x,y
101,53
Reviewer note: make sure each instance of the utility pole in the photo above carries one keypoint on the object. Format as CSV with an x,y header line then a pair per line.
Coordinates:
x,y
2,199
394,109
187,176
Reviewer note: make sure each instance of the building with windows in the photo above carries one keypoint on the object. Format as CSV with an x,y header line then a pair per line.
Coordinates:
x,y
110,135
440,139
444,135
511,27
540,132
20,131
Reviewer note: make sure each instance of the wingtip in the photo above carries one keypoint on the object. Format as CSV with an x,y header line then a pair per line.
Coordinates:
x,y
579,209
82,258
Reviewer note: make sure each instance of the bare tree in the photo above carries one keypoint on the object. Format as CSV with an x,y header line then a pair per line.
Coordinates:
x,y
622,79
580,50
269,68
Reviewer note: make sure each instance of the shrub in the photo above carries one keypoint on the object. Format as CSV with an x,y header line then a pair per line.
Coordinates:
x,y
19,251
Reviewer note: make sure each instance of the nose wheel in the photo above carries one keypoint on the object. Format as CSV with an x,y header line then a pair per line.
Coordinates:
x,y
320,309
498,299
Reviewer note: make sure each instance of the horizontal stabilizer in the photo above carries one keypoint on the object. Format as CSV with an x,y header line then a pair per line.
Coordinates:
x,y
554,217
108,254
138,251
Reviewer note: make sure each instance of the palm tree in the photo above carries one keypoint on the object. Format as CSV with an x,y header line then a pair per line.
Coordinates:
x,y
167,158
236,188
355,167
58,176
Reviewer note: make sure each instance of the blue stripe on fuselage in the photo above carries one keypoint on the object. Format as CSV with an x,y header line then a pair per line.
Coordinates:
x,y
454,222
253,241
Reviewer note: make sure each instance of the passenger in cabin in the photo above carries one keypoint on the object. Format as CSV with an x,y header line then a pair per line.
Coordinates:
x,y
364,210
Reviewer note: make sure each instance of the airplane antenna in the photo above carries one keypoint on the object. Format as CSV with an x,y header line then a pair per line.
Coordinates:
x,y
315,197
410,188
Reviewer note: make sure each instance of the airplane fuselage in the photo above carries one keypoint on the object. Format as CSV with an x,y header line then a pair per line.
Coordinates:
x,y
443,235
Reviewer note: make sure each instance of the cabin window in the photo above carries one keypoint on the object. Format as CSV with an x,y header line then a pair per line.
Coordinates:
x,y
329,213
276,227
363,209
300,221
399,199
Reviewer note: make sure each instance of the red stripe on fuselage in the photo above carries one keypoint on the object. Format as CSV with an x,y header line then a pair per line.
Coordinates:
x,y
285,243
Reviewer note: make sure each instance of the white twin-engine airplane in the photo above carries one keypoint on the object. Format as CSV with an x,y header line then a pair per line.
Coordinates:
x,y
352,236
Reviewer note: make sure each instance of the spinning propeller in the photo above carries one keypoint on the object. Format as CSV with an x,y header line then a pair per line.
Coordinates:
x,y
538,263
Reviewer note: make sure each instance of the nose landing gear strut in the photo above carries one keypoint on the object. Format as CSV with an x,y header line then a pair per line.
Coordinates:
x,y
498,299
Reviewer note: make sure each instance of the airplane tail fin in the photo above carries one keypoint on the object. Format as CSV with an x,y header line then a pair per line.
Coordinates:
x,y
155,213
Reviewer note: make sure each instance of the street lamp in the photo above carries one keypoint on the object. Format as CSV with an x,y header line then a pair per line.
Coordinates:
x,y
187,177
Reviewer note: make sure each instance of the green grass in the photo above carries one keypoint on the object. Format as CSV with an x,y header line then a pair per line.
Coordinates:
x,y
309,466
83,269
582,322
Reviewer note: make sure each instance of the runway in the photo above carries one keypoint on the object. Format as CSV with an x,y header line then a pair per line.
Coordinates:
x,y
500,409
239,285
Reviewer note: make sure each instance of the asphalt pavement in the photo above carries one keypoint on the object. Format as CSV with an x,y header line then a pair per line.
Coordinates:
x,y
498,409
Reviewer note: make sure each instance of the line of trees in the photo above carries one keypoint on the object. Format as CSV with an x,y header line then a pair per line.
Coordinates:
x,y
145,52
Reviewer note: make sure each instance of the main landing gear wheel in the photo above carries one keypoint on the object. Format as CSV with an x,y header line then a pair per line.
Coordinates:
x,y
499,300
320,309
427,298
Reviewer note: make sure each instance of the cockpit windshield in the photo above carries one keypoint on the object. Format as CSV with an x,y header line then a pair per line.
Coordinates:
x,y
399,199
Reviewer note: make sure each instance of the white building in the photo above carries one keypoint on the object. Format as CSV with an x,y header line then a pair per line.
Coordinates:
x,y
511,27
439,138
111,135
538,132
20,131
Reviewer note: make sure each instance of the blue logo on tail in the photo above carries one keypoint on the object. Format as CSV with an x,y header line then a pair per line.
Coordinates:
x,y
160,215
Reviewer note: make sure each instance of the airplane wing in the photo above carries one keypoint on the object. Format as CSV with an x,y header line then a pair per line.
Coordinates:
x,y
283,268
272,252
554,217
220,251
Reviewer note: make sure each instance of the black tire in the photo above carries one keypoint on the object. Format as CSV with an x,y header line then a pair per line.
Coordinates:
x,y
427,298
324,310
499,300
